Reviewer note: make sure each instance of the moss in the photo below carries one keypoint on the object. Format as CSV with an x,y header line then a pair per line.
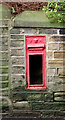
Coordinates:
x,y
34,19
59,83
5,78
34,97
4,63
4,85
20,81
48,97
48,114
4,55
5,71
48,106
5,12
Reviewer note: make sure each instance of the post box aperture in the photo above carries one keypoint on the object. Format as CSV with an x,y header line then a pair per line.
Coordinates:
x,y
35,47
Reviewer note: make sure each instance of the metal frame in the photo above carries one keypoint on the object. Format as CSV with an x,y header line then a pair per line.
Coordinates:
x,y
38,88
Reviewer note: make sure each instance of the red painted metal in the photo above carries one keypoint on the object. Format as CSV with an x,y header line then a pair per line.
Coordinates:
x,y
35,45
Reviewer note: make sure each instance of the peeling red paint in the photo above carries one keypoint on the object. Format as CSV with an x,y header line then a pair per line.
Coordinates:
x,y
35,45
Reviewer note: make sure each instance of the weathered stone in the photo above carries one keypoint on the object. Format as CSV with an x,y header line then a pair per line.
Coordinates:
x,y
3,70
35,19
5,85
4,48
61,71
4,31
4,40
59,55
17,36
17,61
52,46
4,78
17,52
62,46
64,87
5,12
16,84
57,38
56,63
4,55
27,31
15,31
5,63
52,86
3,22
35,97
49,55
55,79
47,31
19,79
0,31
51,72
23,104
18,70
17,43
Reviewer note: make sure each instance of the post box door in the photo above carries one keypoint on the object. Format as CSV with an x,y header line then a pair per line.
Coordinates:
x,y
35,62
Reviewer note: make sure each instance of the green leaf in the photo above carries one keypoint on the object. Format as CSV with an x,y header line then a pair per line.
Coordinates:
x,y
13,10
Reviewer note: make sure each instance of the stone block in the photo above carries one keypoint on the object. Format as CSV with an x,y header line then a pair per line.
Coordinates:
x,y
18,70
52,46
0,31
27,31
49,55
4,78
55,79
35,97
4,40
18,61
17,36
51,72
4,63
4,55
62,46
3,22
4,30
64,87
4,48
52,86
18,78
15,84
17,43
17,52
15,31
3,70
56,63
56,38
47,31
61,71
22,105
59,55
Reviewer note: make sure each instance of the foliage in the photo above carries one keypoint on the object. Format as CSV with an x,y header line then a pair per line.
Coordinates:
x,y
55,11
13,10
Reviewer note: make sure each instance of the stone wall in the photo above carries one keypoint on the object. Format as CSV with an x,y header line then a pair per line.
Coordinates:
x,y
56,62
55,53
5,16
12,66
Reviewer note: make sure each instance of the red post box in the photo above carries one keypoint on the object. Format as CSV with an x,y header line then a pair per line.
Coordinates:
x,y
35,47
